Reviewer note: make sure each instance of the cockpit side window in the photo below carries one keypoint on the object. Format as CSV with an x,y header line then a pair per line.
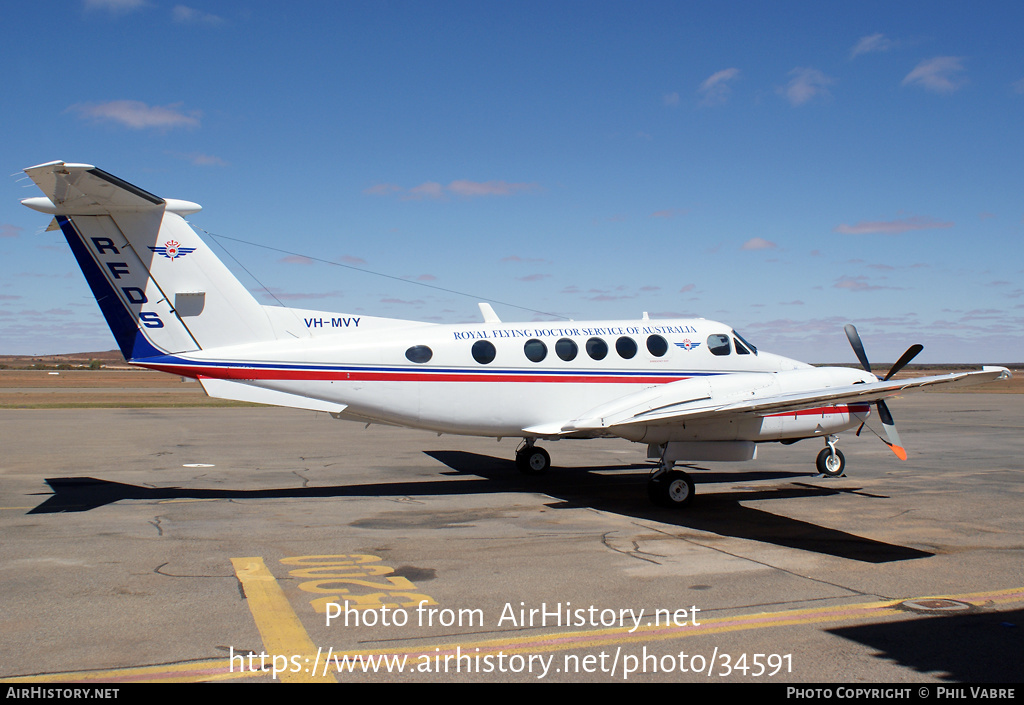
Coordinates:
x,y
746,344
740,350
718,344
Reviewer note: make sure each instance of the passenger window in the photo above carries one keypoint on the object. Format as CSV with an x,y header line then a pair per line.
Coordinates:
x,y
419,354
535,350
483,351
566,349
656,345
718,344
597,348
625,347
740,350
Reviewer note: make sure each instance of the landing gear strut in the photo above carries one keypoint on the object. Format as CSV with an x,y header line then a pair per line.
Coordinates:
x,y
531,459
831,462
668,487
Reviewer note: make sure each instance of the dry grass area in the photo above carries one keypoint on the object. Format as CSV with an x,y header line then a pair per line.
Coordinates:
x,y
128,378
103,388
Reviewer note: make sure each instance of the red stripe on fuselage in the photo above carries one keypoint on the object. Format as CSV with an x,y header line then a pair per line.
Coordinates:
x,y
242,373
820,410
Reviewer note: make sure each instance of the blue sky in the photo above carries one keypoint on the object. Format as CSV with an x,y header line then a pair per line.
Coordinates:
x,y
783,167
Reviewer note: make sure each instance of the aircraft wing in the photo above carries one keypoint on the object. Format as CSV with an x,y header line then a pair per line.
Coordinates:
x,y
679,402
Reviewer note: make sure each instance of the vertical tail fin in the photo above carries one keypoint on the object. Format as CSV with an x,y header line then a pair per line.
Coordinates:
x,y
159,286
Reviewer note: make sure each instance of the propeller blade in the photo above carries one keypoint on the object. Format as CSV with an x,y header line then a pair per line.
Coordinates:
x,y
889,425
909,355
858,347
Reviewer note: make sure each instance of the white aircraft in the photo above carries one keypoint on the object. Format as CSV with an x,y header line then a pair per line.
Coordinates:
x,y
691,389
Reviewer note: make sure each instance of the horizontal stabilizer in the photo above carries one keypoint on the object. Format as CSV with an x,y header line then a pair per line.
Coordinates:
x,y
82,189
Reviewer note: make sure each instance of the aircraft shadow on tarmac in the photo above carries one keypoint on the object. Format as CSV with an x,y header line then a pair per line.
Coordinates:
x,y
977,646
625,493
622,491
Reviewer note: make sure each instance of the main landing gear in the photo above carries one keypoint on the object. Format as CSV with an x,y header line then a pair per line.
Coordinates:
x,y
831,462
668,487
531,459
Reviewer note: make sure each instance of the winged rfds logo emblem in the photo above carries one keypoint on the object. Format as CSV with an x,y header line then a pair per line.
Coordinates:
x,y
687,345
172,250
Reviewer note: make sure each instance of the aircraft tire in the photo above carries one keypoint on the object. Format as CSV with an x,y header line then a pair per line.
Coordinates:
x,y
533,461
673,489
830,467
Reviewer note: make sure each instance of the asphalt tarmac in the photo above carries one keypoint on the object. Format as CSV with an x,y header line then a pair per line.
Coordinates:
x,y
219,544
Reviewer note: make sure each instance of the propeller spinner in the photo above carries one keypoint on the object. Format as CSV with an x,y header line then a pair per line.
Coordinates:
x,y
884,415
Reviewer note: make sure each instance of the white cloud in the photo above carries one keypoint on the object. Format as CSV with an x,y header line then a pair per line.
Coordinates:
x,y
199,159
137,115
487,188
872,44
115,6
430,189
669,213
759,243
187,15
715,89
460,187
806,84
892,227
860,283
381,189
939,75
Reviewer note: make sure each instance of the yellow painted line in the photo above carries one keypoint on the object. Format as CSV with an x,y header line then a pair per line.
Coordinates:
x,y
565,641
280,628
192,672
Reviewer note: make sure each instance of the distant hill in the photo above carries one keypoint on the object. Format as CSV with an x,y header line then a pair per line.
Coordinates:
x,y
106,357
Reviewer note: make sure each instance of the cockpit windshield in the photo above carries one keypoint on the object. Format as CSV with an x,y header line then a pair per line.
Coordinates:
x,y
744,341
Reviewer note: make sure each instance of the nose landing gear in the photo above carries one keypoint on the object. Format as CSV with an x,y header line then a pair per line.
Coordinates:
x,y
831,462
